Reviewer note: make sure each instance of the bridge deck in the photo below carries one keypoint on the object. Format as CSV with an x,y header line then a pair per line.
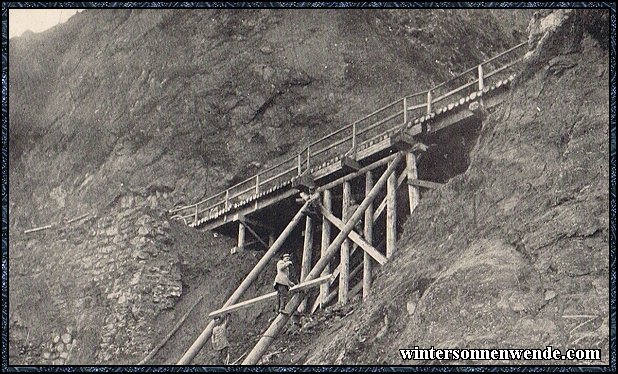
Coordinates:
x,y
364,141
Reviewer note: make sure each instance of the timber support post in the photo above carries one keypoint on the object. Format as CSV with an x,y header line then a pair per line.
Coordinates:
x,y
413,192
307,257
324,288
368,231
391,215
241,238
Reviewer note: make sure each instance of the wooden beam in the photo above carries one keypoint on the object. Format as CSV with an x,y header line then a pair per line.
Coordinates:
x,y
356,289
344,264
268,296
321,302
338,268
306,261
402,141
379,257
332,295
368,234
424,184
271,239
349,164
413,193
356,270
391,215
327,201
362,171
38,229
382,205
304,183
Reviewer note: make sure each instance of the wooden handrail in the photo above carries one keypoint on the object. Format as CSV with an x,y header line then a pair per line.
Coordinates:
x,y
278,175
451,93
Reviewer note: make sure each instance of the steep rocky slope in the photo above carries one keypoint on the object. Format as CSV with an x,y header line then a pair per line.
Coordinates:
x,y
514,252
125,113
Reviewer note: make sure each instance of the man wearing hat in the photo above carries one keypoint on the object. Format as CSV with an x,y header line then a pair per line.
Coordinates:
x,y
282,281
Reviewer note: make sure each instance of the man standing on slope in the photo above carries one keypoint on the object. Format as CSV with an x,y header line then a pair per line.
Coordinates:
x,y
282,281
219,340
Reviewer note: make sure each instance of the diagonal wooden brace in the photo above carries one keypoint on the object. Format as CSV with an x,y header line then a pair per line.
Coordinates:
x,y
379,257
242,222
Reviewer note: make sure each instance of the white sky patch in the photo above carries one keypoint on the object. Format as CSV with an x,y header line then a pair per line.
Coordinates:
x,y
36,20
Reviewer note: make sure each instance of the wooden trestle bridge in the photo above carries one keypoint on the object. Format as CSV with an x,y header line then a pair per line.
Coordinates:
x,y
370,159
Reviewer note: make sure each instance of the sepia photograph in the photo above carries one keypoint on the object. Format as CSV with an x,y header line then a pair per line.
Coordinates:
x,y
394,186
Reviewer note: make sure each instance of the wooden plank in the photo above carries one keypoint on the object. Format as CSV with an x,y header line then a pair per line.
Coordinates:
x,y
344,265
379,257
391,215
413,193
327,203
424,184
268,296
368,233
306,261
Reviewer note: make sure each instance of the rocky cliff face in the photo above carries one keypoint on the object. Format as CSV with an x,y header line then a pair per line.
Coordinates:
x,y
123,114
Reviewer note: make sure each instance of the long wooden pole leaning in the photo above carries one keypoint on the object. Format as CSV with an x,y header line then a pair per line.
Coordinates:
x,y
280,321
368,231
324,288
251,277
344,266
307,257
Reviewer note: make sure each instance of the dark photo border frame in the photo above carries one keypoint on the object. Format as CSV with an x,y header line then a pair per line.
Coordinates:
x,y
361,368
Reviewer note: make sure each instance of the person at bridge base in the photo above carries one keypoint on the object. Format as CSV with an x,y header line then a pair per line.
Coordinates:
x,y
219,340
282,282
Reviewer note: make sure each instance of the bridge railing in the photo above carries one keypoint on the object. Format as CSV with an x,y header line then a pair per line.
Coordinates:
x,y
347,139
475,79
